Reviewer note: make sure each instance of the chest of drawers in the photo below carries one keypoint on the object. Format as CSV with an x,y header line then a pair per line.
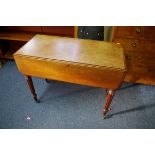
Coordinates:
x,y
139,46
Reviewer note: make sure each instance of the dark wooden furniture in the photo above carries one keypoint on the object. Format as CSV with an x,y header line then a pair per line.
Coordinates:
x,y
14,37
91,32
139,46
87,62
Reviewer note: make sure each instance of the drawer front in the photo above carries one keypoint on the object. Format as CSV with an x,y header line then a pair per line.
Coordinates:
x,y
141,67
129,32
67,31
149,33
33,29
136,32
136,45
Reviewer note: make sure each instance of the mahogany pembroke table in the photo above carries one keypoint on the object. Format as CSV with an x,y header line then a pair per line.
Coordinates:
x,y
86,62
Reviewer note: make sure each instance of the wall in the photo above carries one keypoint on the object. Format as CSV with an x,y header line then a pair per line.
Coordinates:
x,y
107,33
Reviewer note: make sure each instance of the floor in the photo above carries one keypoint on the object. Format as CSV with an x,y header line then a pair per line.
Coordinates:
x,y
65,105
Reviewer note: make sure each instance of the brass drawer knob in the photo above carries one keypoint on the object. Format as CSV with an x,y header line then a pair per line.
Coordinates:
x,y
138,30
133,44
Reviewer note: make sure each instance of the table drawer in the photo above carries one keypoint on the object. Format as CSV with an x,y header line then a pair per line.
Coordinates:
x,y
136,45
141,67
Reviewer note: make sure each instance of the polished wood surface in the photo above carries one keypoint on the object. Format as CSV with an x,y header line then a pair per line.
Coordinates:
x,y
141,67
139,46
149,33
31,87
69,72
88,52
88,62
129,31
136,32
110,94
67,31
75,31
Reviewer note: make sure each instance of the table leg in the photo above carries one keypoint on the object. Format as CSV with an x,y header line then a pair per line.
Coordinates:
x,y
47,81
110,94
31,87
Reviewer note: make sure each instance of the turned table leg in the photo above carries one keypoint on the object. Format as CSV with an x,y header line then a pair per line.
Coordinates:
x,y
47,80
110,94
31,87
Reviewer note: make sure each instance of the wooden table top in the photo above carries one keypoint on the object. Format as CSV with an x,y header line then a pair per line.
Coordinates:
x,y
89,52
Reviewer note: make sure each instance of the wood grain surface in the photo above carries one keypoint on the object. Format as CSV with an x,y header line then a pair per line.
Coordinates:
x,y
139,46
87,62
89,52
